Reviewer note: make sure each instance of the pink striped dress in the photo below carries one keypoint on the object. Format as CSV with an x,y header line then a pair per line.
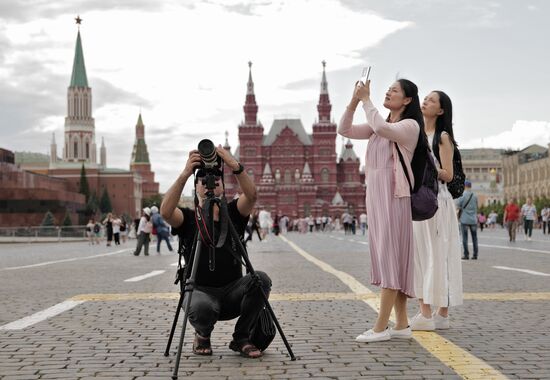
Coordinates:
x,y
388,196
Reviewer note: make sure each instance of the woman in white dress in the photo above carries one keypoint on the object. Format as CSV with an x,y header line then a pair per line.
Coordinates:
x,y
438,267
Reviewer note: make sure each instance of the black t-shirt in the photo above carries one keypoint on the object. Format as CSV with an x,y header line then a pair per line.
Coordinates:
x,y
227,268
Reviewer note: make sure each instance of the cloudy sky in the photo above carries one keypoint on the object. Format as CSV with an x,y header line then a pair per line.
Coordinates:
x,y
184,64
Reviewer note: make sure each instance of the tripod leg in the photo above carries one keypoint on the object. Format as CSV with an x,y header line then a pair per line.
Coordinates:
x,y
266,302
180,302
190,284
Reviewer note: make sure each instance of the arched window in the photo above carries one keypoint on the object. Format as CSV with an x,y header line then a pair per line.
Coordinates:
x,y
277,175
324,175
75,151
87,150
288,177
297,175
250,173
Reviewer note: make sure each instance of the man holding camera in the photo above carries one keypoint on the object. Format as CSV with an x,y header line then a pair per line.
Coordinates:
x,y
221,292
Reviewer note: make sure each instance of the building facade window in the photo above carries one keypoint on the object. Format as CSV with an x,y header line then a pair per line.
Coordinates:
x,y
324,175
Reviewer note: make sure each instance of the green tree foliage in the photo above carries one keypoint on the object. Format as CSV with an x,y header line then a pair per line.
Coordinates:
x,y
154,200
105,202
92,205
84,187
48,220
67,222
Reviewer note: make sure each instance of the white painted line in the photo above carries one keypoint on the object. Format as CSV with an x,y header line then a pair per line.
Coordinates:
x,y
41,315
513,248
66,260
143,277
523,270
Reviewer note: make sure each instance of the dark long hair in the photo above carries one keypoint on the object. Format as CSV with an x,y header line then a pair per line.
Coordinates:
x,y
443,123
412,110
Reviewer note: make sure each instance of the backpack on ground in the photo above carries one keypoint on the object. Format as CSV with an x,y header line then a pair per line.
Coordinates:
x,y
424,193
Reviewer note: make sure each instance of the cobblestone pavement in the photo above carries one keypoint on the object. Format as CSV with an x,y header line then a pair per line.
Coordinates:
x,y
113,328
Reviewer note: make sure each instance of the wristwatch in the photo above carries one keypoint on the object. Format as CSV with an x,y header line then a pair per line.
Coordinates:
x,y
239,170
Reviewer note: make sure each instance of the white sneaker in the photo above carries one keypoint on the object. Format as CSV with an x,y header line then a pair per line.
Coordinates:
x,y
370,336
405,333
528,239
441,323
421,323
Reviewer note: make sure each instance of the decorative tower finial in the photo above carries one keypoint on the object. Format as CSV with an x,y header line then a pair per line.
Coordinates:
x,y
226,145
324,106
250,107
250,84
78,21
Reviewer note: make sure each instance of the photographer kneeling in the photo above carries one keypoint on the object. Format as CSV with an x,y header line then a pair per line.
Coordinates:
x,y
222,293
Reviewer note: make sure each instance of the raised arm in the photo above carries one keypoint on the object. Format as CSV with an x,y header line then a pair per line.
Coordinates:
x,y
353,131
404,132
247,200
169,207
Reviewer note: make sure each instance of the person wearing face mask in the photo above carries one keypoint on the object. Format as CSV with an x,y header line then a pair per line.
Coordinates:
x,y
222,293
388,198
438,267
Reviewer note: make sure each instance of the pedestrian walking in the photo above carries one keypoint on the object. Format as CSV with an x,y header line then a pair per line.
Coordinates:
x,y
90,231
467,211
529,214
116,229
545,215
265,222
437,265
143,232
492,219
124,230
511,218
388,198
97,231
163,230
363,222
108,223
482,219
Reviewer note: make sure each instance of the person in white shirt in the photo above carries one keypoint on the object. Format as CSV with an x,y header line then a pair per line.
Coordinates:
x,y
363,222
529,214
145,227
545,214
264,218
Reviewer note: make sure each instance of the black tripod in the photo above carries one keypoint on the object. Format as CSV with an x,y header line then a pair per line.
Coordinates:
x,y
189,284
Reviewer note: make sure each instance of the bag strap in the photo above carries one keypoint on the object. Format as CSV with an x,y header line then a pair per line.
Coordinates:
x,y
404,167
469,199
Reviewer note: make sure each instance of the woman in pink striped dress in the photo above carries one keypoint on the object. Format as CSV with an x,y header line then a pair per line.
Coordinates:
x,y
388,198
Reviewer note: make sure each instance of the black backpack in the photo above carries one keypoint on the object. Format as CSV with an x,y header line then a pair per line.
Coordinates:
x,y
456,186
424,194
97,228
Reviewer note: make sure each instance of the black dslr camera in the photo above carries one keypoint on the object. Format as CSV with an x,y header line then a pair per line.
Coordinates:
x,y
211,164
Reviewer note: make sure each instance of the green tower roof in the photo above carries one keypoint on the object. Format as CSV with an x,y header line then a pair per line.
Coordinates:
x,y
78,77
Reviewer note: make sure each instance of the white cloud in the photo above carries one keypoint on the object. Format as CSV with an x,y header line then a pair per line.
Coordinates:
x,y
190,64
522,134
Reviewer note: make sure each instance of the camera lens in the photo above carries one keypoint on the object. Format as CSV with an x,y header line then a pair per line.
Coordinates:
x,y
208,154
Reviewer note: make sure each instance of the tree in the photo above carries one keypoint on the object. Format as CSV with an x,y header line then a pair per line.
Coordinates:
x,y
48,220
105,202
84,187
92,205
154,200
67,222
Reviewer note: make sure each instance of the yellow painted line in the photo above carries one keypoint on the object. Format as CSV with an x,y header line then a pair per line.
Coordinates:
x,y
536,296
542,296
459,360
272,296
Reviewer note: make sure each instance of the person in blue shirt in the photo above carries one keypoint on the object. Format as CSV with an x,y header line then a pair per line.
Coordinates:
x,y
467,211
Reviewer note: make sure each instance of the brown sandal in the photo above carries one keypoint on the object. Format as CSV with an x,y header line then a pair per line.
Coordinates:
x,y
246,349
201,346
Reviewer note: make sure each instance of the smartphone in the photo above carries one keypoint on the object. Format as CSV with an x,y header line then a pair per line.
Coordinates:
x,y
365,75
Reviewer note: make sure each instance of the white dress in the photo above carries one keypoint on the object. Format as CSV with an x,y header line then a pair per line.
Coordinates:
x,y
437,261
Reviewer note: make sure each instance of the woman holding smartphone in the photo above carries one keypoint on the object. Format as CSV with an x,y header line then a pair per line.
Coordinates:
x,y
388,198
438,268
